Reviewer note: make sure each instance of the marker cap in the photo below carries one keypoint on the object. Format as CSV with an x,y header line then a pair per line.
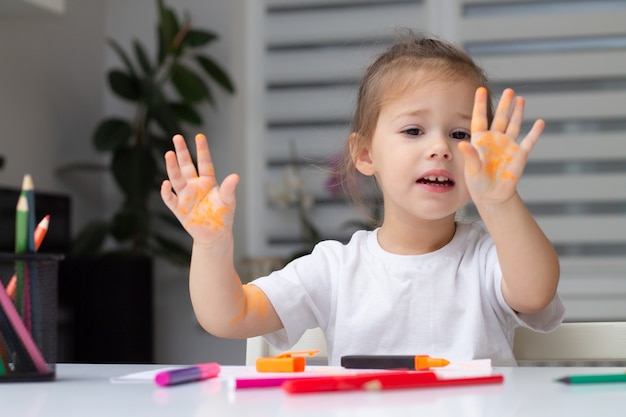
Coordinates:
x,y
423,362
285,362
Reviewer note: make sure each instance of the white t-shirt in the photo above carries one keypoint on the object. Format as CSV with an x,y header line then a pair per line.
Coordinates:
x,y
447,303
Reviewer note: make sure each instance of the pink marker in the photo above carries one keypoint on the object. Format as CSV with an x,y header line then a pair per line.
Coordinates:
x,y
197,372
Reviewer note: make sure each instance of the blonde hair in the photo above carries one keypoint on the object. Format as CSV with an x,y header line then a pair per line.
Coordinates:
x,y
412,61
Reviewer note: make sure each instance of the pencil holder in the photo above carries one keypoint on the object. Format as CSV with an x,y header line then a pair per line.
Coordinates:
x,y
28,316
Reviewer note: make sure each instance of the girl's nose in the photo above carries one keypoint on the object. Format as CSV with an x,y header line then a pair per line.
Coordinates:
x,y
440,149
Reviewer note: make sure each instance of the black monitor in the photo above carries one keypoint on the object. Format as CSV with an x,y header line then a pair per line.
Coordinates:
x,y
58,206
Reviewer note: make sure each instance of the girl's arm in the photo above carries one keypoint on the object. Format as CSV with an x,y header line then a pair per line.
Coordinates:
x,y
223,306
494,162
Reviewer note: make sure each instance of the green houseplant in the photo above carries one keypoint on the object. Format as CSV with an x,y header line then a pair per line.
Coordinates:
x,y
110,266
166,91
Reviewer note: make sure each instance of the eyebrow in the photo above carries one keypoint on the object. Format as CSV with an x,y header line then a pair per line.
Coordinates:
x,y
419,112
464,116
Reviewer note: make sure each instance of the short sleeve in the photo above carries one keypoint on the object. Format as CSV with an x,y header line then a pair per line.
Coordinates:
x,y
301,295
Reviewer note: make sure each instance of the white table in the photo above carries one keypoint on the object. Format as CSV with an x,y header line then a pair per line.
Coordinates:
x,y
86,391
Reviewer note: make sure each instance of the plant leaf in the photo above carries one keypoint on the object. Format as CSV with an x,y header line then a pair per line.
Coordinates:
x,y
215,72
152,94
124,85
165,116
129,224
185,112
190,86
168,27
197,37
160,145
134,169
117,48
112,134
142,58
90,240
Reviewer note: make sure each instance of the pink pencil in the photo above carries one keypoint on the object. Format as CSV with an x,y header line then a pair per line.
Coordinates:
x,y
243,383
14,319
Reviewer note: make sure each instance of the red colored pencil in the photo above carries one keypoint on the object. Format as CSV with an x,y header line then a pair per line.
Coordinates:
x,y
41,230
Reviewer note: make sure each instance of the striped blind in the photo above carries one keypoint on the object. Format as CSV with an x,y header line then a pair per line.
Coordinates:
x,y
568,58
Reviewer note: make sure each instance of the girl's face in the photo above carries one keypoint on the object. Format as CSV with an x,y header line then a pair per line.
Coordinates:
x,y
414,153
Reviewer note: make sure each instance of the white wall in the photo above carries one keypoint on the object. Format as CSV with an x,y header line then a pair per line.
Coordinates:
x,y
50,94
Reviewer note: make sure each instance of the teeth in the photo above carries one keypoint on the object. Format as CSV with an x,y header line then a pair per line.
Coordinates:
x,y
435,178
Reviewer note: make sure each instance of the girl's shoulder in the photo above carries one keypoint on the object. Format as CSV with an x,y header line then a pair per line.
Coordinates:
x,y
329,255
472,230
358,240
473,239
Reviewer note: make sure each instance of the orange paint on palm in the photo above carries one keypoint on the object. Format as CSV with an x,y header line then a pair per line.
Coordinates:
x,y
251,301
204,213
498,152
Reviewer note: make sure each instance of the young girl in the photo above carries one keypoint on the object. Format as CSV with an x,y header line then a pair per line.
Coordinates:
x,y
421,283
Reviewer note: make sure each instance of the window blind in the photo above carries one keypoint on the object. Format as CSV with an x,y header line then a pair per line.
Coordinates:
x,y
568,59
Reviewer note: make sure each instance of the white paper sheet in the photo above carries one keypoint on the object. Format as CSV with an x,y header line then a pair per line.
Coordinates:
x,y
479,367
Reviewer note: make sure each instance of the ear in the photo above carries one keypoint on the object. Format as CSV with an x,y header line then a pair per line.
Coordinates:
x,y
361,155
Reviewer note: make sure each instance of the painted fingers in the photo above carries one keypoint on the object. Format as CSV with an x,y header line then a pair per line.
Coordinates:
x,y
508,117
497,146
187,191
182,169
479,113
205,163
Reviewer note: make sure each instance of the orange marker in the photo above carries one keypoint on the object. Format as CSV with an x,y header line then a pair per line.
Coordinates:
x,y
419,362
285,362
39,234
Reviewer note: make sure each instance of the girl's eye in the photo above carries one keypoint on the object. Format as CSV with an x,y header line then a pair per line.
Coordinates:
x,y
414,131
461,135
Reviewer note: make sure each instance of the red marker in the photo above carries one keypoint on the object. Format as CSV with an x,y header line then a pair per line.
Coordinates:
x,y
197,372
383,381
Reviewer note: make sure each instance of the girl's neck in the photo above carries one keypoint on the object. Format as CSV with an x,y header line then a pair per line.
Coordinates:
x,y
416,239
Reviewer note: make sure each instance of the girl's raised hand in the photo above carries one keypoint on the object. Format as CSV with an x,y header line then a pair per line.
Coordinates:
x,y
494,161
205,209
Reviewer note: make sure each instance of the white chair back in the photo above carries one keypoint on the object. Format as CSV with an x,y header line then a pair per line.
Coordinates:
x,y
312,339
571,344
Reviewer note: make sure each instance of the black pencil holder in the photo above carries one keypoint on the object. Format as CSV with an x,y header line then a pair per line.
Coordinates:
x,y
28,316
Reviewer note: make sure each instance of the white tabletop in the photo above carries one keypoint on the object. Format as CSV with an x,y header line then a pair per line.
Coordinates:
x,y
86,390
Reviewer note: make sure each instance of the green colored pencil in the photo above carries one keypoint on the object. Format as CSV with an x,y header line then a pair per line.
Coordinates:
x,y
21,225
21,245
593,379
28,189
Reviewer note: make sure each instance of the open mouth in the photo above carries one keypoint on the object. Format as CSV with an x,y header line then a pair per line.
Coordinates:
x,y
437,181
